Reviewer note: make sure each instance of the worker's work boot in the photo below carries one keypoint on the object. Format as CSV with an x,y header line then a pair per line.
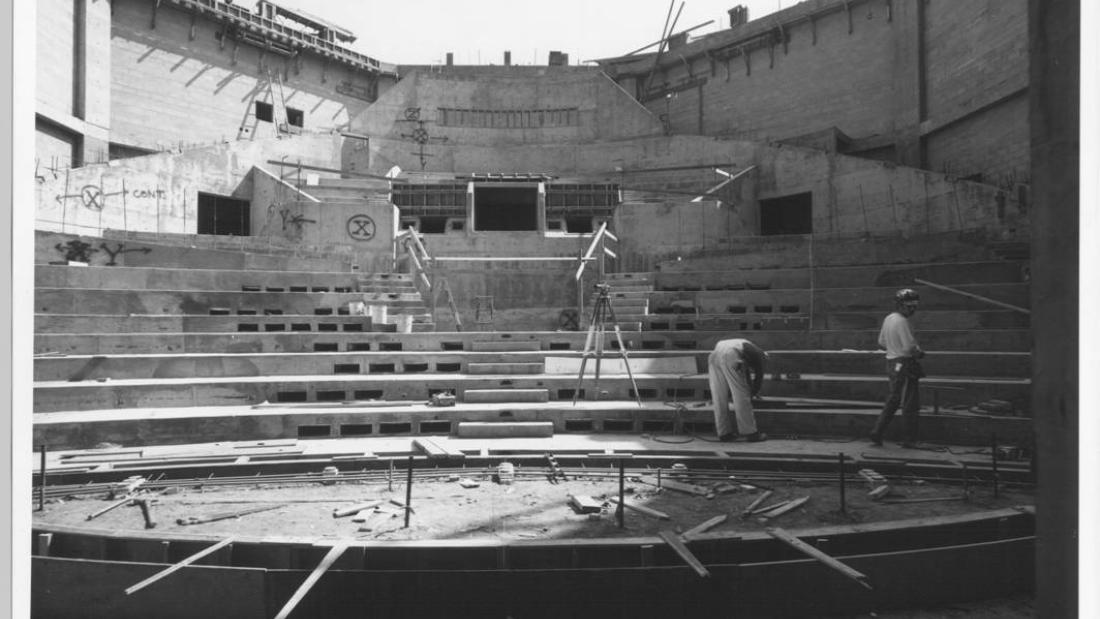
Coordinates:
x,y
756,437
728,437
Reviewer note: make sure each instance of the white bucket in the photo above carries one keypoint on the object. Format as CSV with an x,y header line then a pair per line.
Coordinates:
x,y
404,323
377,314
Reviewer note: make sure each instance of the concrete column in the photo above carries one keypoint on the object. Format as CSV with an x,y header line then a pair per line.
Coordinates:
x,y
1054,33
93,69
907,23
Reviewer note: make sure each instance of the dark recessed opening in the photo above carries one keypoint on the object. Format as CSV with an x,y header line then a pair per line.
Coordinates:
x,y
345,368
413,368
706,394
295,117
382,368
555,225
219,311
299,289
275,327
618,425
578,425
737,309
453,346
762,309
250,288
448,367
579,225
358,346
290,396
326,347
679,393
558,346
645,394
686,345
264,111
223,215
246,312
300,326
788,309
395,428
273,312
248,328
389,346
435,427
330,396
322,311
657,426
342,311
432,392
653,344
314,431
567,394
341,289
368,394
353,326
499,208
320,289
328,326
356,429
275,289
791,214
659,325
685,326
433,224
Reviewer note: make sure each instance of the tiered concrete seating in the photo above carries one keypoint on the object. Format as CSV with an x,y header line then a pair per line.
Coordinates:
x,y
115,343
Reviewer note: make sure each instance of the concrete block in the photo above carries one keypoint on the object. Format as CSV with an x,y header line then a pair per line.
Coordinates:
x,y
510,429
504,368
482,396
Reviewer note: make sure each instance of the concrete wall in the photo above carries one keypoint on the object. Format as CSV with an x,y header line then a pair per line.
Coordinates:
x,y
168,86
161,190
600,108
936,83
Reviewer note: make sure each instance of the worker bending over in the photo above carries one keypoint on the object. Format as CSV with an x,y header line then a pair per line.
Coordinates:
x,y
902,368
736,369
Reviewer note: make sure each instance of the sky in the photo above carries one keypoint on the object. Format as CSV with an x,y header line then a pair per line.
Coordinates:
x,y
479,32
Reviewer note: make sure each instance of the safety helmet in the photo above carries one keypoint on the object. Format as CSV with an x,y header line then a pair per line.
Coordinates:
x,y
906,295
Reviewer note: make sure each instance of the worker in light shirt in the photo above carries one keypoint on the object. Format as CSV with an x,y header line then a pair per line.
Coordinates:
x,y
902,368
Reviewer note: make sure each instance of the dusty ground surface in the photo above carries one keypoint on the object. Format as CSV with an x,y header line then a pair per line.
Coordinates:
x,y
529,508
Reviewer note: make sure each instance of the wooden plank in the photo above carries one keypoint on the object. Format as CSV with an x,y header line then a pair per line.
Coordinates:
x,y
680,486
779,511
801,546
677,544
705,526
436,450
641,509
188,561
330,558
752,506
355,509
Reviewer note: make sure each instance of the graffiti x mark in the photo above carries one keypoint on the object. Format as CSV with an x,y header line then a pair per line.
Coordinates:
x,y
361,228
91,196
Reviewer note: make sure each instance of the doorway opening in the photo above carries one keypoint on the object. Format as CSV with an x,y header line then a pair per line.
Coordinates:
x,y
793,214
224,215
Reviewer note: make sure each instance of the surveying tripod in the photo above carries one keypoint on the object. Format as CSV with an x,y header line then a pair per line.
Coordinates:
x,y
593,342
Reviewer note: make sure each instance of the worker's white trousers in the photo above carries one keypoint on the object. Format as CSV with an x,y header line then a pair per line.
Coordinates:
x,y
728,378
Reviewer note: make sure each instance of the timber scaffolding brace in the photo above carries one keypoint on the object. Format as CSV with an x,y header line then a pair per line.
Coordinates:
x,y
430,278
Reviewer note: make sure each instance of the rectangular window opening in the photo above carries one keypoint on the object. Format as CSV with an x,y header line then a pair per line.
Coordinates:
x,y
223,215
505,209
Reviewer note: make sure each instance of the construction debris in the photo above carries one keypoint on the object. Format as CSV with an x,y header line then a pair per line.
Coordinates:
x,y
677,544
879,486
224,515
779,511
641,509
752,506
811,551
704,526
584,504
355,509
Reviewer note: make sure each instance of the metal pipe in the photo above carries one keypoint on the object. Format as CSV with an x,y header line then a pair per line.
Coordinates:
x,y
622,491
42,479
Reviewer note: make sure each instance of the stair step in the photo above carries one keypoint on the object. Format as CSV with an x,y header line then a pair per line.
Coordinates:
x,y
504,346
499,429
487,396
504,368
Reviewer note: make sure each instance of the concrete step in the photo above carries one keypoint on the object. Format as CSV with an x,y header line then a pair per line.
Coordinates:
x,y
120,301
505,429
602,420
482,396
505,368
153,278
384,337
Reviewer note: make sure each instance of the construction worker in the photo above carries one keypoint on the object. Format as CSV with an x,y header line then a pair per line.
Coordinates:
x,y
902,368
736,368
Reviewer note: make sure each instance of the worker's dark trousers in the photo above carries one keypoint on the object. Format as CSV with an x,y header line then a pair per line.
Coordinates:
x,y
904,375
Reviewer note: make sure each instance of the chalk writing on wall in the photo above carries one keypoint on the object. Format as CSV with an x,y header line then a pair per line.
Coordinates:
x,y
76,250
148,193
361,227
121,249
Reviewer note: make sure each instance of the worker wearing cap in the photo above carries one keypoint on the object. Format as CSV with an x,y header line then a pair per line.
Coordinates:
x,y
736,369
902,368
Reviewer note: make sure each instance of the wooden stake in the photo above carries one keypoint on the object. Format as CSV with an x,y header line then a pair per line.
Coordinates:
x,y
408,493
620,512
752,506
188,561
704,526
42,480
677,544
807,549
330,558
641,509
